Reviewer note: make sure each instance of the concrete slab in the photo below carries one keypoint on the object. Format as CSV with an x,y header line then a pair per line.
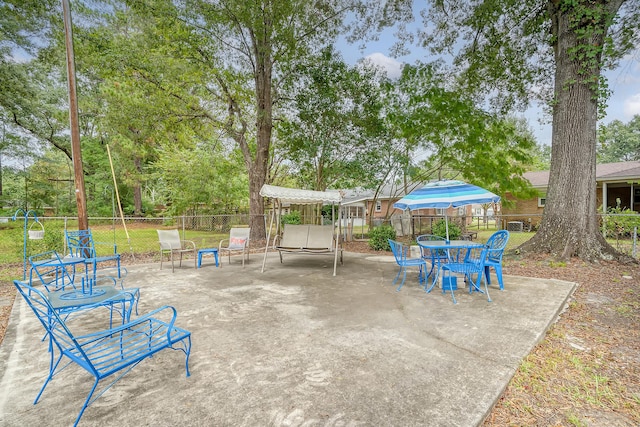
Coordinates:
x,y
296,346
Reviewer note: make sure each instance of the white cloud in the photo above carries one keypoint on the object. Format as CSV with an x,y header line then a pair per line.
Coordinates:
x,y
390,65
632,105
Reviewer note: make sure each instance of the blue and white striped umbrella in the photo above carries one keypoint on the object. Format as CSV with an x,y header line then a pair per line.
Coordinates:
x,y
445,194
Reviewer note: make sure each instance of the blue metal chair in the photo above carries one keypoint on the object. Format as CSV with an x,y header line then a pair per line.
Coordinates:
x,y
473,264
51,271
400,252
82,245
496,243
101,352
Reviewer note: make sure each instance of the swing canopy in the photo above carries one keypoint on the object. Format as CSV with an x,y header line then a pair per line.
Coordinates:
x,y
300,197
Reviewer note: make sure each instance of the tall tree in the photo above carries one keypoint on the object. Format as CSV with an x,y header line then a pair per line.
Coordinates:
x,y
513,48
244,51
333,124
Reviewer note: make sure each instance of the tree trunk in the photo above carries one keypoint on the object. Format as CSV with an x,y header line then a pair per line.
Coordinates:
x,y
264,125
569,224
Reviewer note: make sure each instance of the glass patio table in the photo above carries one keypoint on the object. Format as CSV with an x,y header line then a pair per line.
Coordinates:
x,y
439,252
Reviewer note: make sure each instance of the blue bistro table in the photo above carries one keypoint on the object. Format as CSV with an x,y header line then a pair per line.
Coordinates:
x,y
436,250
213,251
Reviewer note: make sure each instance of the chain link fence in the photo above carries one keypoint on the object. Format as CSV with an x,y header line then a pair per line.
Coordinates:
x,y
23,237
620,230
132,238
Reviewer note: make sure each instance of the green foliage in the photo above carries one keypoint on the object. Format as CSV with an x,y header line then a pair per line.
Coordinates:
x,y
485,148
53,240
338,107
622,223
205,178
292,218
619,142
378,237
439,228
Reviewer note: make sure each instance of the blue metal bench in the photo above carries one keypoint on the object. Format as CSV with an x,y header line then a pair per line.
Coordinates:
x,y
105,352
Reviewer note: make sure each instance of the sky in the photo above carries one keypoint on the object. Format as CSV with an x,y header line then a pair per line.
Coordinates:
x,y
624,81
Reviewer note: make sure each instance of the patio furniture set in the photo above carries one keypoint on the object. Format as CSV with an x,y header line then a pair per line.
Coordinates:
x,y
68,296
61,289
448,260
171,243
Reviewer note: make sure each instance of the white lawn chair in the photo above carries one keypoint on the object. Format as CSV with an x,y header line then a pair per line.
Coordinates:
x,y
171,243
238,242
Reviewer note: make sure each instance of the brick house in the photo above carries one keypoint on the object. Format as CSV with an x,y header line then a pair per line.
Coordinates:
x,y
615,183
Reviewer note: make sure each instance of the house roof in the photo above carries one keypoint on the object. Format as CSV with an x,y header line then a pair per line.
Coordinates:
x,y
538,179
605,172
387,192
620,170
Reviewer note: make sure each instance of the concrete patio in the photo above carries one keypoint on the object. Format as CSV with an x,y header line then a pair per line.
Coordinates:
x,y
296,346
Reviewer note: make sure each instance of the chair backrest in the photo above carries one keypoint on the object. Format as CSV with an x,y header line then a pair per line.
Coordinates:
x,y
399,251
80,243
295,236
50,271
496,245
50,319
477,256
320,237
169,239
239,238
433,253
429,238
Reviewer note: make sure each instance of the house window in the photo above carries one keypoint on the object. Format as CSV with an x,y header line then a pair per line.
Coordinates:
x,y
542,201
439,212
378,206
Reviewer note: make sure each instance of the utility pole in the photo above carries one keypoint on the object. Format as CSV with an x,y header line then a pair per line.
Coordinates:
x,y
76,153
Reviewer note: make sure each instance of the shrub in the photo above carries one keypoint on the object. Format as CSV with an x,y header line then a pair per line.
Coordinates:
x,y
53,240
291,218
378,237
440,229
622,221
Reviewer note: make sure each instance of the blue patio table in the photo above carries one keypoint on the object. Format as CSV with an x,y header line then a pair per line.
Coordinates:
x,y
213,251
455,250
68,294
66,301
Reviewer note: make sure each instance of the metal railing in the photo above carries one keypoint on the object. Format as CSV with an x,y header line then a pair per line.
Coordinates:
x,y
620,230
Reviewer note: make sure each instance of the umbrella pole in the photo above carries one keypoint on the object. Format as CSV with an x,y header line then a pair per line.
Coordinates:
x,y
446,225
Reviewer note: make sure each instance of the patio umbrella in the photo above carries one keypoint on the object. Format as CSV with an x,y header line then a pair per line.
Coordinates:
x,y
445,194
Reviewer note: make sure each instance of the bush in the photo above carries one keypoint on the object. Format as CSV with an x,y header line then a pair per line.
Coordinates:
x,y
622,222
440,229
291,218
53,240
378,237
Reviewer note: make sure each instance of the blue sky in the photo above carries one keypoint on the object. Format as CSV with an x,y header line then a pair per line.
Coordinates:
x,y
624,81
